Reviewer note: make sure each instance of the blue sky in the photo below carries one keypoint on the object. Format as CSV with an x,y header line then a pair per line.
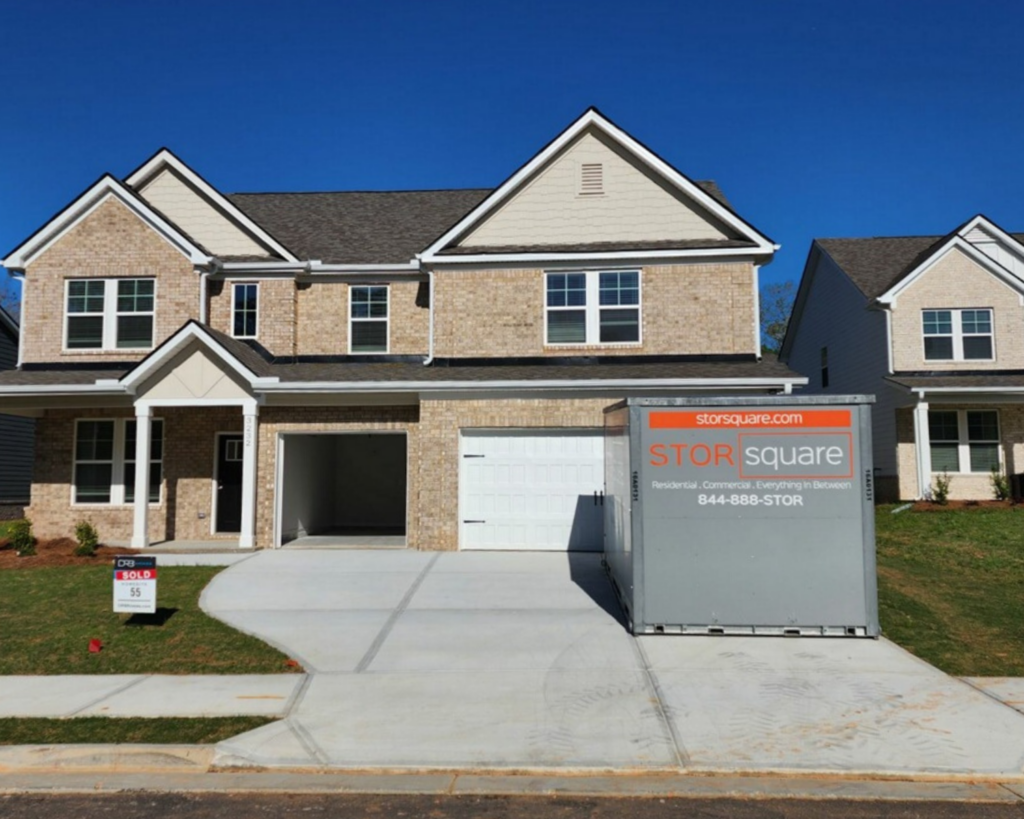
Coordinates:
x,y
817,118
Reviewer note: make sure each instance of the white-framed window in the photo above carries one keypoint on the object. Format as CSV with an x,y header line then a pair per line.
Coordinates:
x,y
957,335
964,440
109,314
368,319
104,468
245,310
592,307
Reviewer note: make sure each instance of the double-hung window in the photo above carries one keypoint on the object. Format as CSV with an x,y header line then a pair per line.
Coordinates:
x,y
104,469
592,307
957,335
964,440
368,319
109,314
244,310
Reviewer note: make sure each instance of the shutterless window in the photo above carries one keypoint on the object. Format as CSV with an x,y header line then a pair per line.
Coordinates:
x,y
109,314
245,309
134,314
104,468
593,307
85,309
957,335
368,319
567,308
964,440
620,311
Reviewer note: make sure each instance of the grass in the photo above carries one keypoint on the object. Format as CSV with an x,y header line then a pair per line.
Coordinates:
x,y
49,615
951,587
110,730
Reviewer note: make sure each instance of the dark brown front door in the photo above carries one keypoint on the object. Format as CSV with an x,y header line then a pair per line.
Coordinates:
x,y
229,483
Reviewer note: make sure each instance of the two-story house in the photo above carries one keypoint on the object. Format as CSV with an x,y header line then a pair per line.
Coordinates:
x,y
426,365
934,326
15,432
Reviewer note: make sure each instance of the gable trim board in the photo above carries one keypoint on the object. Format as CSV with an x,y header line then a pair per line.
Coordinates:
x,y
592,118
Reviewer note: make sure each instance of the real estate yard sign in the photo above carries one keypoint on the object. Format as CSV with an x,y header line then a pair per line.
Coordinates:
x,y
135,584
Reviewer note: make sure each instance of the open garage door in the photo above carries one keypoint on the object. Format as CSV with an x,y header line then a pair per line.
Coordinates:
x,y
342,489
538,489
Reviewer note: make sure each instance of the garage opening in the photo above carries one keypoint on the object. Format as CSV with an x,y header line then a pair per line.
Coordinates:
x,y
338,490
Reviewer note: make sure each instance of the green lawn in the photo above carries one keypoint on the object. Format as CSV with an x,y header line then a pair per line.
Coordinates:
x,y
109,730
49,615
951,587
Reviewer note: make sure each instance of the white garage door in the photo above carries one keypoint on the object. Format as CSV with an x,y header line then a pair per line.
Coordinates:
x,y
531,489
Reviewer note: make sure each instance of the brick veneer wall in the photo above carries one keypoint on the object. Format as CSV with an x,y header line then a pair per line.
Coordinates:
x,y
276,311
686,309
957,281
110,242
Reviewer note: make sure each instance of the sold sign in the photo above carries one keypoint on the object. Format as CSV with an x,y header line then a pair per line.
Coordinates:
x,y
135,584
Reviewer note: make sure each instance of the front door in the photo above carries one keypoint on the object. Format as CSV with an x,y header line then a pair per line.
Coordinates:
x,y
229,483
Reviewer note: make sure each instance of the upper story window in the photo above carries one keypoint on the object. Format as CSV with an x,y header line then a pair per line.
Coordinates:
x,y
957,335
593,307
109,314
244,310
368,319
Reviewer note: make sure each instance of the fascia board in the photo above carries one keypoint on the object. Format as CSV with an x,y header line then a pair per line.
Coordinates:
x,y
165,158
955,243
176,344
986,224
611,255
85,204
628,143
61,389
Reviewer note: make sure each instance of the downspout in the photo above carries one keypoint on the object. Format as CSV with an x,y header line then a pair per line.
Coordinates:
x,y
430,332
21,318
757,311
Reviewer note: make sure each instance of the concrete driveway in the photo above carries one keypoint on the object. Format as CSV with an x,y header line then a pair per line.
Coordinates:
x,y
520,660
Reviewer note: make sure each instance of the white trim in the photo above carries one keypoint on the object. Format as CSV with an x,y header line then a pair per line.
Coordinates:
x,y
758,341
592,309
924,452
193,402
352,319
140,512
117,493
990,227
84,205
250,446
109,315
430,319
17,325
889,340
623,256
165,159
963,450
591,118
234,288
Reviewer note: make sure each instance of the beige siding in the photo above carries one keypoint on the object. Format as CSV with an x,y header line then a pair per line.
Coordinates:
x,y
956,281
686,309
110,242
194,373
194,214
636,206
276,308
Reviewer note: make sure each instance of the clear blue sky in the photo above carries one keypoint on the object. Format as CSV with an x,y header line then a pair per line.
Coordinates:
x,y
817,117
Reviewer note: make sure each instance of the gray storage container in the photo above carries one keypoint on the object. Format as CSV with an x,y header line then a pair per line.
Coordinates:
x,y
742,515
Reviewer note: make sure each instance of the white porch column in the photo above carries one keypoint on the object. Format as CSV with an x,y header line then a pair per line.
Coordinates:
x,y
923,449
246,537
143,427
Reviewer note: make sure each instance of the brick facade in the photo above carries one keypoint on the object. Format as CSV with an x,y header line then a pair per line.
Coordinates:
x,y
276,312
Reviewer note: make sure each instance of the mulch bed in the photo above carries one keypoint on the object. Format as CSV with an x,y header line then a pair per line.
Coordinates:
x,y
967,506
57,552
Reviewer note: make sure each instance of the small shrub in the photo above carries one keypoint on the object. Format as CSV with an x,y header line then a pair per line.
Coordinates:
x,y
940,492
1000,484
88,539
20,535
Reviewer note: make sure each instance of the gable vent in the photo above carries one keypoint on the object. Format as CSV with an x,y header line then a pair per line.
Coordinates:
x,y
591,179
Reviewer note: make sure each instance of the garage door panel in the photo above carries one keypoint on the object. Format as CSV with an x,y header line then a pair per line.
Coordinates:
x,y
531,489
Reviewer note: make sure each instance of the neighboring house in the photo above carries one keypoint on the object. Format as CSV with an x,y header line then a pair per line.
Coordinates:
x,y
15,432
934,327
426,364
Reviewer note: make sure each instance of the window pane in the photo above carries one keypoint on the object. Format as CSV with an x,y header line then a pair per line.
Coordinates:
x,y
567,327
976,321
134,332
92,483
86,296
977,347
244,324
369,336
368,302
938,322
156,440
984,457
982,425
619,288
95,441
154,483
135,296
945,458
938,348
567,289
943,426
85,332
620,325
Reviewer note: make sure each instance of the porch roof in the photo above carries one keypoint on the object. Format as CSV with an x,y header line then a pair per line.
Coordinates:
x,y
987,382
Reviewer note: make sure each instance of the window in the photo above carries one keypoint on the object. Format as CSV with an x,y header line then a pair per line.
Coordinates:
x,y
964,440
824,367
244,310
594,307
104,469
957,335
368,319
109,314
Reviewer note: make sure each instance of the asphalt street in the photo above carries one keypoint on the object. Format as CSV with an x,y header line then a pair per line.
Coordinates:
x,y
243,806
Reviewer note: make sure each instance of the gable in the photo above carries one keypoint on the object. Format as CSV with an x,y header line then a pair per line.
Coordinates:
x,y
633,204
955,279
173,196
192,374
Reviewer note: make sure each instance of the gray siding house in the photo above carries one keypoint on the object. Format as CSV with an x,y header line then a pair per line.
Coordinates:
x,y
16,433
